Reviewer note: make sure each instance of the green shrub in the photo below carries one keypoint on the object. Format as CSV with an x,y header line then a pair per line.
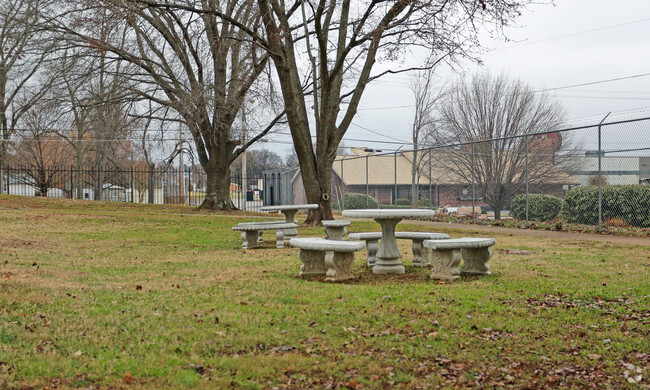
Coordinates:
x,y
359,201
402,202
631,203
424,202
540,207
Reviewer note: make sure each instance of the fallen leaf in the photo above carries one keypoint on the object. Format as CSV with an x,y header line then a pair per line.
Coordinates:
x,y
128,379
78,353
138,287
593,356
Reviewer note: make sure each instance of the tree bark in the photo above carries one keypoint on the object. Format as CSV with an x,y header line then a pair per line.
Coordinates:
x,y
217,195
318,188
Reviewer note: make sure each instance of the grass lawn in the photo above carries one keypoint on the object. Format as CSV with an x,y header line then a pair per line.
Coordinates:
x,y
137,296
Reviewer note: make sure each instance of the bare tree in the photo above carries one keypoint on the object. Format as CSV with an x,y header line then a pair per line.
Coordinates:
x,y
40,150
427,94
503,111
342,41
24,47
152,140
259,160
195,63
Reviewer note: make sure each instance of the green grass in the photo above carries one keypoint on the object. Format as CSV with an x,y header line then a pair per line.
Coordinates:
x,y
113,295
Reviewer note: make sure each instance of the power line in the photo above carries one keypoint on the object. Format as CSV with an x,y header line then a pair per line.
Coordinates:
x,y
592,83
571,35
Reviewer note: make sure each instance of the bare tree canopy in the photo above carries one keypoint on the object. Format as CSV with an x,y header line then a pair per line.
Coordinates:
x,y
329,50
25,45
427,94
193,62
487,108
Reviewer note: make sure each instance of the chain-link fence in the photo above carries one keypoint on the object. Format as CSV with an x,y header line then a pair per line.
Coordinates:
x,y
595,174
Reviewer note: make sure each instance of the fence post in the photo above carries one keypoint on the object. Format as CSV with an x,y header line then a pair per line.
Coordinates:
x,y
189,185
395,198
600,176
430,187
339,189
132,187
367,188
71,183
473,186
526,180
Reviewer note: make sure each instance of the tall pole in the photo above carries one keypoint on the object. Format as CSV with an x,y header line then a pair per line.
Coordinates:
x,y
473,186
243,160
600,176
430,195
367,187
181,181
526,179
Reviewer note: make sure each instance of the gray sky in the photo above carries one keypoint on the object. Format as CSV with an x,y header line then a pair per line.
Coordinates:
x,y
574,42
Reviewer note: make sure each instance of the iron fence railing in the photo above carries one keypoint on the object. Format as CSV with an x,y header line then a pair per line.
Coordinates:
x,y
177,186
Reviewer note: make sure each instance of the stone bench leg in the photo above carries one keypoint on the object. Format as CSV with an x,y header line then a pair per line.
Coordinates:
x,y
475,261
259,237
249,238
339,266
418,260
279,238
444,264
372,246
313,262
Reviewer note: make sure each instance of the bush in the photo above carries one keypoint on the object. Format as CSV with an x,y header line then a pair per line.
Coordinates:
x,y
402,202
424,202
359,201
629,203
540,207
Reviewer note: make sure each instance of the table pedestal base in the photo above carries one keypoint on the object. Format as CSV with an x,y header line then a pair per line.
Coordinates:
x,y
388,257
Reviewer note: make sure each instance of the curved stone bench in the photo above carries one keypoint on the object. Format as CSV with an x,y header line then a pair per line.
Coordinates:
x,y
336,264
259,233
250,233
335,229
445,256
372,243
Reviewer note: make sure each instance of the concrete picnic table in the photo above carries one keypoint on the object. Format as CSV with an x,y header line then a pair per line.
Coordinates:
x,y
388,256
289,211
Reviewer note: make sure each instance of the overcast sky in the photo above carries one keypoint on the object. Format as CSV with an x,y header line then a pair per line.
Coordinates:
x,y
574,42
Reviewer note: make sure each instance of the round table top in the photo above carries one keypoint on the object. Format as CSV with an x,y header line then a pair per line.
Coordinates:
x,y
388,213
281,207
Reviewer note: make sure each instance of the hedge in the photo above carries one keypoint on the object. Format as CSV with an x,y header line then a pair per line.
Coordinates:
x,y
630,203
540,207
359,201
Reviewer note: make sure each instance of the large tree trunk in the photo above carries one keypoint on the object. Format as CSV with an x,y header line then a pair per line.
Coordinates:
x,y
2,170
217,196
318,188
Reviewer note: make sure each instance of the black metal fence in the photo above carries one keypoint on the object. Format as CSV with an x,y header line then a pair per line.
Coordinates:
x,y
179,186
